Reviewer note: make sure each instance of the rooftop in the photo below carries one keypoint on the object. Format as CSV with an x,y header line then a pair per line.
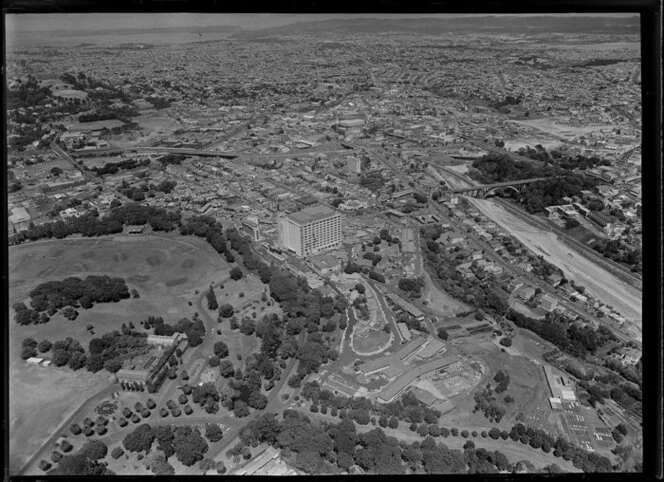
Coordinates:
x,y
393,389
311,214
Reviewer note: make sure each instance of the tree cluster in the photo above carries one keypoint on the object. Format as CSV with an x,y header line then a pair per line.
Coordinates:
x,y
114,167
75,292
108,351
537,438
91,225
568,337
412,286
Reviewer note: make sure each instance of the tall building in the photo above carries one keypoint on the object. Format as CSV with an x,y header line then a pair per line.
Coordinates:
x,y
313,230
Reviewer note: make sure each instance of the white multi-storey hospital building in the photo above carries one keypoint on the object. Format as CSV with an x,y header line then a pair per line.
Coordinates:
x,y
313,230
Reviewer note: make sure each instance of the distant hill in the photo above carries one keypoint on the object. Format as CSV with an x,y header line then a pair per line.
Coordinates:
x,y
143,31
476,24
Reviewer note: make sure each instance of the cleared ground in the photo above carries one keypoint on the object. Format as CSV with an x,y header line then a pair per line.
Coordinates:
x,y
599,282
152,127
438,301
165,271
527,386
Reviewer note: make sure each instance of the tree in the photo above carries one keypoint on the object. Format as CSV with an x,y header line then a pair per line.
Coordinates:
x,y
360,288
552,469
44,346
77,360
79,464
213,361
94,449
394,422
207,464
226,368
248,326
213,433
211,299
113,365
226,311
194,338
442,334
220,349
506,341
236,273
60,357
440,460
240,409
140,439
189,445
28,352
69,313
257,400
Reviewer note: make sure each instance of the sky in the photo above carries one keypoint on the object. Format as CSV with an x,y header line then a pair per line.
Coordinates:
x,y
25,23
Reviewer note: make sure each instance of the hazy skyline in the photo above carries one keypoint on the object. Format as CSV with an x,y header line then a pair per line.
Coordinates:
x,y
24,23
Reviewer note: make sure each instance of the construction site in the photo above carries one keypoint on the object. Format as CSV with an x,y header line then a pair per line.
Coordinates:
x,y
424,365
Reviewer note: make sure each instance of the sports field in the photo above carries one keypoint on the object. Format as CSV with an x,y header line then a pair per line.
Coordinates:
x,y
166,271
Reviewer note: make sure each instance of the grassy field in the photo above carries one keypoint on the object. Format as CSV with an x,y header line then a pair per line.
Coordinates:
x,y
40,399
166,273
527,386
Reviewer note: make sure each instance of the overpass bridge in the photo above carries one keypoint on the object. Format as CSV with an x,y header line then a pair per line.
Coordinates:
x,y
482,190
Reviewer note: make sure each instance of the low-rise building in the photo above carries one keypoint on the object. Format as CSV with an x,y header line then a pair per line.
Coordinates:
x,y
548,302
526,292
404,331
163,340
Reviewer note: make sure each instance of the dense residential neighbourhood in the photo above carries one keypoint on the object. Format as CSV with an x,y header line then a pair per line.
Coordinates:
x,y
334,246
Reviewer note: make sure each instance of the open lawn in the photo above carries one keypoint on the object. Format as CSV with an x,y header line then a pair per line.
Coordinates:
x,y
40,399
165,271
